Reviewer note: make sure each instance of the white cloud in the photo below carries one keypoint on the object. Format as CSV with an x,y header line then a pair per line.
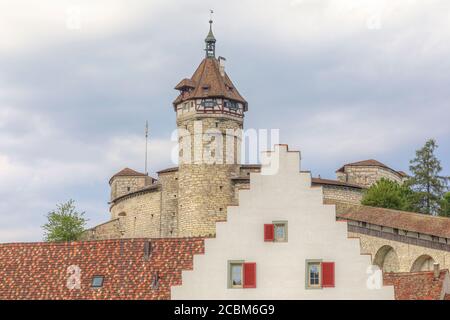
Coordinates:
x,y
342,80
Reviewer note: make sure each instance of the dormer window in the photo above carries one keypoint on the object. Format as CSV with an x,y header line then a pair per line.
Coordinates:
x,y
97,282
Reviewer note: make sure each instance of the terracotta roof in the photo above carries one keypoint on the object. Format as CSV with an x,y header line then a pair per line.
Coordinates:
x,y
40,270
415,222
127,172
208,76
416,285
321,181
369,163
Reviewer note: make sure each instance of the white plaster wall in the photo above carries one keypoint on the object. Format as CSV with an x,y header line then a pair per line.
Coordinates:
x,y
313,233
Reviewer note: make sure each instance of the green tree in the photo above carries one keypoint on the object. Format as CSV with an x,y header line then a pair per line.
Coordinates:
x,y
64,223
388,194
426,181
445,205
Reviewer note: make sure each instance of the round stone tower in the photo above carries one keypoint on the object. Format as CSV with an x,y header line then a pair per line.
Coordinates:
x,y
210,114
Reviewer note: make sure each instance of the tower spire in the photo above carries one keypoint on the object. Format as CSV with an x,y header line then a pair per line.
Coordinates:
x,y
210,40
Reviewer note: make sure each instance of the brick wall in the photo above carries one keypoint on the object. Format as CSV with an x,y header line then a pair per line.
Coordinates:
x,y
40,270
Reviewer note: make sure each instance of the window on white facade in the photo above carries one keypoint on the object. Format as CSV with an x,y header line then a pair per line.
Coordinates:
x,y
280,231
313,273
236,274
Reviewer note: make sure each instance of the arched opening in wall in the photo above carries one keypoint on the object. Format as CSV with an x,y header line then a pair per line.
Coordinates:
x,y
423,263
386,259
122,214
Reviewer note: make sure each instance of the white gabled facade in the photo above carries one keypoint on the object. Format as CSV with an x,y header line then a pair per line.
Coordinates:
x,y
313,234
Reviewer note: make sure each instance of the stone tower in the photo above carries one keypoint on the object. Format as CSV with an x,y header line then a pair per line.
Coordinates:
x,y
210,114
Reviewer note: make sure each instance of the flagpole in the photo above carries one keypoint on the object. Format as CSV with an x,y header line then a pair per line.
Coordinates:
x,y
146,143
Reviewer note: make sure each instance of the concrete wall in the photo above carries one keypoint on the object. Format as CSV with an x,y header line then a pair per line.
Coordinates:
x,y
313,233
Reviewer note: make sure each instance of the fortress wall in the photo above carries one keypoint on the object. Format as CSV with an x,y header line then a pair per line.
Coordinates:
x,y
367,175
169,204
122,185
108,230
406,254
139,214
342,194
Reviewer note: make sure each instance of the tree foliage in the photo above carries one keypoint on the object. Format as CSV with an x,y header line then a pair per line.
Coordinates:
x,y
64,223
426,180
388,194
445,206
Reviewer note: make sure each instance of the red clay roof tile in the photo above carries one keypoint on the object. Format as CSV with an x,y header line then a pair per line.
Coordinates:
x,y
40,270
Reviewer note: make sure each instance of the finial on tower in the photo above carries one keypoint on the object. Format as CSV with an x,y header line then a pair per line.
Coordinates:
x,y
210,40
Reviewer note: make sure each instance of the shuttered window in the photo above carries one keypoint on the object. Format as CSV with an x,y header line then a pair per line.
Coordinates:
x,y
269,232
328,274
249,275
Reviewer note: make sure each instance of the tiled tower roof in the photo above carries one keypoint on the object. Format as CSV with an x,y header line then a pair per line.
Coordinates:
x,y
368,163
208,82
127,172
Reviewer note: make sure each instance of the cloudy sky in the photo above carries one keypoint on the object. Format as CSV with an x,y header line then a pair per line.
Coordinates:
x,y
342,80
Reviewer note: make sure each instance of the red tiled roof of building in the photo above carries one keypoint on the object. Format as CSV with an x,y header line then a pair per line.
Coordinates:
x,y
207,81
364,163
416,285
127,172
40,270
411,221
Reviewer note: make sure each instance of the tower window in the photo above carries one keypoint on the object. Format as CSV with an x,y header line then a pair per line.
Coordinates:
x,y
128,188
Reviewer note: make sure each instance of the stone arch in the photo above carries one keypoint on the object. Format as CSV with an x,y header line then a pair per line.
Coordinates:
x,y
423,263
386,259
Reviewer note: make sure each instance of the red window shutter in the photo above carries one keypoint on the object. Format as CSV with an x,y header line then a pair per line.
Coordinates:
x,y
328,274
249,275
269,232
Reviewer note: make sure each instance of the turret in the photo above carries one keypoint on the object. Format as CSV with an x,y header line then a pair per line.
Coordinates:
x,y
210,116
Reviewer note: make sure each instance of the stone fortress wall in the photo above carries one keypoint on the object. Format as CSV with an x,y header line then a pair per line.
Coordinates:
x,y
204,190
366,173
205,187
